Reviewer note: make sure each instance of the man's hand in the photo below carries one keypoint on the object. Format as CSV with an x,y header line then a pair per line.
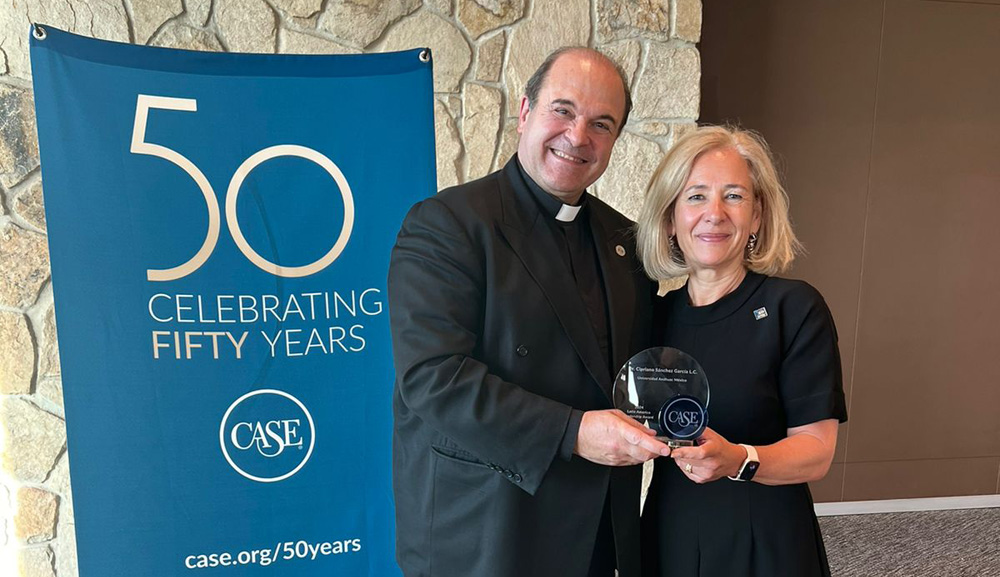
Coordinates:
x,y
611,438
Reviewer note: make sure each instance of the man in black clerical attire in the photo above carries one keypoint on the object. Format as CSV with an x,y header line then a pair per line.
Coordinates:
x,y
513,301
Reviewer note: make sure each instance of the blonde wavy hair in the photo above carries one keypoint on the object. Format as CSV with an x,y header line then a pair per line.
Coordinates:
x,y
776,243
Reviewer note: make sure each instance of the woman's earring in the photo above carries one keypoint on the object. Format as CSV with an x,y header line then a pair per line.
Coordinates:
x,y
751,243
675,250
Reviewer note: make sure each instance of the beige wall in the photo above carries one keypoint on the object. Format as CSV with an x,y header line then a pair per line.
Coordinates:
x,y
484,50
888,137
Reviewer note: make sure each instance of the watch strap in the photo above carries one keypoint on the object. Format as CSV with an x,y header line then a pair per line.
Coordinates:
x,y
749,466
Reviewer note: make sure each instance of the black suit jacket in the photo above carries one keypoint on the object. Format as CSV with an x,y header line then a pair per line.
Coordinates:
x,y
493,349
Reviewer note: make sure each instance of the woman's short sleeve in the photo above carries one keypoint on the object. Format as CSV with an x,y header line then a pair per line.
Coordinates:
x,y
810,379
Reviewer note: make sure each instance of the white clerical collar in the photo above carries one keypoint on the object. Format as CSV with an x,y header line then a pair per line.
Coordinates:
x,y
568,213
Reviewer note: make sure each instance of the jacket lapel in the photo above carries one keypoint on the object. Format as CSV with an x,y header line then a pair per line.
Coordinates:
x,y
535,245
617,272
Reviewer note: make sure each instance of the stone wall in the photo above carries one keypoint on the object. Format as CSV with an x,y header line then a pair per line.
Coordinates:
x,y
484,50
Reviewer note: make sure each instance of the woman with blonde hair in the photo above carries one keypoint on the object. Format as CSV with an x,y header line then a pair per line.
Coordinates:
x,y
737,503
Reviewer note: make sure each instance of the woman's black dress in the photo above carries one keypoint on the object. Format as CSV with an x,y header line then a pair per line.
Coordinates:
x,y
769,350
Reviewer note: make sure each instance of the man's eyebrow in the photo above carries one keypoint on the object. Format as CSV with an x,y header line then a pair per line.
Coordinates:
x,y
567,102
609,118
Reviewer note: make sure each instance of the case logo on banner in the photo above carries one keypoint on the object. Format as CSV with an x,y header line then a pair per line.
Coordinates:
x,y
272,448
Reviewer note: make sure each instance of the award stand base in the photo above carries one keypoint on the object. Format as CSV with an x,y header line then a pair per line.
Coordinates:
x,y
675,443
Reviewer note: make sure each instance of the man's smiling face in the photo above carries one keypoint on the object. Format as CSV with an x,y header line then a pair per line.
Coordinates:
x,y
567,136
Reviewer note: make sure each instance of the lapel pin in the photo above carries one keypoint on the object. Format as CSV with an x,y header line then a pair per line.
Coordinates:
x,y
620,250
760,313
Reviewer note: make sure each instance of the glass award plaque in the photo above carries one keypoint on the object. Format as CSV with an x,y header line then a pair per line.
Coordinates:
x,y
666,390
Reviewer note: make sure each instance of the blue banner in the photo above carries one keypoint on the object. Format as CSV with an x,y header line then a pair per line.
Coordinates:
x,y
219,228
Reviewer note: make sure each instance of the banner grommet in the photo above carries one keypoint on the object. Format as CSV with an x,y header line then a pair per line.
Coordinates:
x,y
38,31
425,55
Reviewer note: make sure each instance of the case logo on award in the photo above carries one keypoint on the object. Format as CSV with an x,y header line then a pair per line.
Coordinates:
x,y
267,435
683,418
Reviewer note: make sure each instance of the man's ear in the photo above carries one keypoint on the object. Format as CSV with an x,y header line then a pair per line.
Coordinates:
x,y
522,115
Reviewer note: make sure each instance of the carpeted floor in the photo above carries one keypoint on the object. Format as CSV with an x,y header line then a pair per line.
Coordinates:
x,y
956,543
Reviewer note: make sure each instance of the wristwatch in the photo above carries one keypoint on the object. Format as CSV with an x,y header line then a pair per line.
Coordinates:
x,y
749,466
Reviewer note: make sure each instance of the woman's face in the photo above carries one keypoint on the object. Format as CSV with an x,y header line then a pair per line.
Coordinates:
x,y
715,212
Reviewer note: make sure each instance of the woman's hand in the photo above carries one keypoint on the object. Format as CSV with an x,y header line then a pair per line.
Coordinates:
x,y
712,458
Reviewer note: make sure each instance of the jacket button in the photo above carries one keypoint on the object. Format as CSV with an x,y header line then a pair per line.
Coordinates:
x,y
517,478
510,474
522,351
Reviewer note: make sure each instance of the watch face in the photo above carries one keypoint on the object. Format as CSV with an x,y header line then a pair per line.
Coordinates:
x,y
749,470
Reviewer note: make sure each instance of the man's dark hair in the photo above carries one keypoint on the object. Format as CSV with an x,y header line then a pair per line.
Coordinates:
x,y
534,85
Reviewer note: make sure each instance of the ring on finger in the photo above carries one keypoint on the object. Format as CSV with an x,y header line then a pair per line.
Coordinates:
x,y
688,468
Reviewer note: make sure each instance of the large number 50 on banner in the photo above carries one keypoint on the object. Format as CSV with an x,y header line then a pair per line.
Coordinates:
x,y
220,228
